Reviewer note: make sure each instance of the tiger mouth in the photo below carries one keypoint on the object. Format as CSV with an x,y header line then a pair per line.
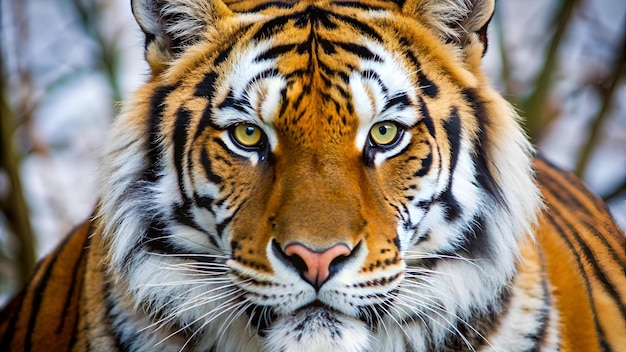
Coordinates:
x,y
263,317
317,304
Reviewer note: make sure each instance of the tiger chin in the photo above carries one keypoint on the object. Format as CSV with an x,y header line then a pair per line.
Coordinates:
x,y
325,176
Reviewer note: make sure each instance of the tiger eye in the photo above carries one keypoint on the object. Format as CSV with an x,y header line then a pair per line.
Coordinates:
x,y
384,133
248,135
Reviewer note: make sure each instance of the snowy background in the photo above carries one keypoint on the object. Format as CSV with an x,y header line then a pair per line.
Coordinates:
x,y
66,69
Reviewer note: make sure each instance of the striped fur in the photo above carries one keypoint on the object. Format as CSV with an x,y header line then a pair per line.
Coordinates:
x,y
446,243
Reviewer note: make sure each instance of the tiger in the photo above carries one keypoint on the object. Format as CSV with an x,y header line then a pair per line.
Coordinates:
x,y
325,175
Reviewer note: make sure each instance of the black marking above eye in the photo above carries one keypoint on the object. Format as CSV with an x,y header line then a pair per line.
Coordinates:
x,y
427,86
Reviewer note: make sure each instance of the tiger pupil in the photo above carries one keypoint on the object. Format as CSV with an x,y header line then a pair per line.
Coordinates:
x,y
383,130
250,130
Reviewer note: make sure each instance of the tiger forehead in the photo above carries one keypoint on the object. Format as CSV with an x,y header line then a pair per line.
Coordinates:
x,y
316,53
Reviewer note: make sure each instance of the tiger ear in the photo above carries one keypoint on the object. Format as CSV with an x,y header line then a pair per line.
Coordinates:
x,y
456,21
172,25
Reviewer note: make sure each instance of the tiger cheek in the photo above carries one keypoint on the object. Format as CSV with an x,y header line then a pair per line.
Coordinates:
x,y
382,241
250,231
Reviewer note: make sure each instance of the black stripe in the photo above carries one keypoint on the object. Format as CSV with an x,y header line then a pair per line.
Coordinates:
x,y
401,100
274,52
283,102
330,72
359,50
207,164
411,56
452,126
157,106
453,209
328,47
158,239
430,126
243,104
484,174
427,86
269,28
358,5
14,307
475,244
424,204
183,216
18,303
582,187
155,239
221,227
373,75
222,56
206,89
612,251
361,27
551,219
560,193
179,140
269,73
476,241
400,3
319,17
425,166
75,269
204,202
567,197
426,119
296,102
39,289
590,258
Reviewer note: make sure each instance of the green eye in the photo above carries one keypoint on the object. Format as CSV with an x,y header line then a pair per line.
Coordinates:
x,y
384,133
247,135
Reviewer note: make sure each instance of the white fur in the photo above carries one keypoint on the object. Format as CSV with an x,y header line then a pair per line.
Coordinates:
x,y
317,333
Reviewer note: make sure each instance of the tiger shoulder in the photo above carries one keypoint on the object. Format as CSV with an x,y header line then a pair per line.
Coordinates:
x,y
325,176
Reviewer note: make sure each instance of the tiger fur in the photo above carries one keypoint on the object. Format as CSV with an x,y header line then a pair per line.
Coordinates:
x,y
325,176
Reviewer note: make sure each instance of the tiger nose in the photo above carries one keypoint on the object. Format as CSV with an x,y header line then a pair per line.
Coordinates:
x,y
316,266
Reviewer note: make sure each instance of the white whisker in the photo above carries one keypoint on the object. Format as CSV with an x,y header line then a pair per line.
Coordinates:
x,y
219,308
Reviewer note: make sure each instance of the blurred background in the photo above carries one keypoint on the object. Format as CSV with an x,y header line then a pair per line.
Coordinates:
x,y
67,64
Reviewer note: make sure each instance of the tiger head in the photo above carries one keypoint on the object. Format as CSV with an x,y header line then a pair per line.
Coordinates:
x,y
313,175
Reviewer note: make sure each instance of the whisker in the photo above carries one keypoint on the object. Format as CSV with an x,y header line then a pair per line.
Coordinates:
x,y
192,303
220,309
243,306
452,327
409,255
180,238
190,255
384,308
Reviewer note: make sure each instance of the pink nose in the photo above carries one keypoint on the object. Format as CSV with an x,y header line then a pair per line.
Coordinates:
x,y
318,264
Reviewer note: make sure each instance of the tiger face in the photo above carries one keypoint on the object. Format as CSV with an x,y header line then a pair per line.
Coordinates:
x,y
314,175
